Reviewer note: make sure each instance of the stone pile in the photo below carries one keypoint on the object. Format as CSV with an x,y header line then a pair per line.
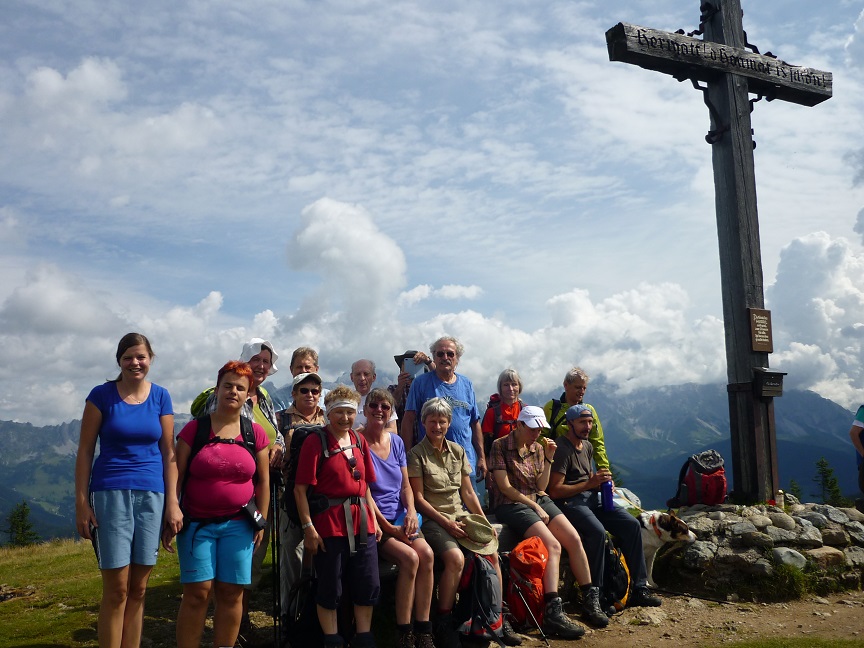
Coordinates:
x,y
743,544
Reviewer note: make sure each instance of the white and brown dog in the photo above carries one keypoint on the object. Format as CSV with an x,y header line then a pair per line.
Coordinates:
x,y
658,529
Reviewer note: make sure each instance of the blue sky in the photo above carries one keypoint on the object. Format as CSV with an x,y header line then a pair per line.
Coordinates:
x,y
364,176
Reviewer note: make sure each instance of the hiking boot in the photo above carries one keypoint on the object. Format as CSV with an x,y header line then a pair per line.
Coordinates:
x,y
444,632
642,597
509,636
591,610
558,624
423,640
406,640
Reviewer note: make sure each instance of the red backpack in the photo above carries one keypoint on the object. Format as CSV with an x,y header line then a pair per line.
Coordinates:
x,y
527,563
702,481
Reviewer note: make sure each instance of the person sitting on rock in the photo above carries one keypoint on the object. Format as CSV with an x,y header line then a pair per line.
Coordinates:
x,y
575,488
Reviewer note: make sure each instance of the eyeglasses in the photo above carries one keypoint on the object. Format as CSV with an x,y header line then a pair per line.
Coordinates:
x,y
449,354
384,407
309,390
352,463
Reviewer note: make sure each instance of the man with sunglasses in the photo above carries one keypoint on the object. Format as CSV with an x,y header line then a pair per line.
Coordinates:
x,y
458,391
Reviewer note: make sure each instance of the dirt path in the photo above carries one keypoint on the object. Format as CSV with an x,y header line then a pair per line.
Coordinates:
x,y
686,622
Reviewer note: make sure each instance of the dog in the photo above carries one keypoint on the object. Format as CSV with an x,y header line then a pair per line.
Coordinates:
x,y
658,529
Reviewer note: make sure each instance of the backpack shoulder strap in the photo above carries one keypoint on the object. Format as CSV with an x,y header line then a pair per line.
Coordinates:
x,y
248,435
554,421
202,435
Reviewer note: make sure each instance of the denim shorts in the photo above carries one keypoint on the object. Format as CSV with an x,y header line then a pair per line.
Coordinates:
x,y
221,551
130,523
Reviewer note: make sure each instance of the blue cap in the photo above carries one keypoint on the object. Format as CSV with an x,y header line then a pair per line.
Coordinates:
x,y
578,411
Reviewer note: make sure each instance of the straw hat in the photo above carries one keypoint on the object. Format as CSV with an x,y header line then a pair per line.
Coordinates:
x,y
481,538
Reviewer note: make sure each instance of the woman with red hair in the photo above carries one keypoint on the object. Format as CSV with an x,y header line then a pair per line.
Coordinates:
x,y
217,483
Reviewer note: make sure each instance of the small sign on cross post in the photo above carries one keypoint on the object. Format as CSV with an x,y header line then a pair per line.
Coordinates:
x,y
731,72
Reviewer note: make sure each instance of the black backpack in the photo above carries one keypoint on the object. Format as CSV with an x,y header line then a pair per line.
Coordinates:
x,y
301,625
202,438
616,578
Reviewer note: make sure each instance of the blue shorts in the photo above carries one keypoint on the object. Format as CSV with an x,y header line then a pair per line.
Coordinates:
x,y
221,551
130,523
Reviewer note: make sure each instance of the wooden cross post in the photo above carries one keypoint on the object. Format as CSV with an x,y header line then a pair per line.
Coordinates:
x,y
731,73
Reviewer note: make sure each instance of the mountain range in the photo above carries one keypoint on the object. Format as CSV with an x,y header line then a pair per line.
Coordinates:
x,y
649,434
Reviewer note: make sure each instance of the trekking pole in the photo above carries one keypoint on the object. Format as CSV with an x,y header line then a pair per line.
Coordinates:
x,y
530,613
274,560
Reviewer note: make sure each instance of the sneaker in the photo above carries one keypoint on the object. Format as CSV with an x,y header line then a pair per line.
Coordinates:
x,y
444,632
642,597
558,624
509,636
423,640
591,610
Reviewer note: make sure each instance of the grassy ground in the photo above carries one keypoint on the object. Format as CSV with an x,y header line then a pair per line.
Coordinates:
x,y
58,587
49,598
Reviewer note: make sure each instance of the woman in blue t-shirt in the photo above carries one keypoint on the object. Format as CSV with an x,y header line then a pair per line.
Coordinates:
x,y
122,498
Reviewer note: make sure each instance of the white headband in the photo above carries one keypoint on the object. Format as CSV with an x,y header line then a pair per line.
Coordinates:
x,y
350,404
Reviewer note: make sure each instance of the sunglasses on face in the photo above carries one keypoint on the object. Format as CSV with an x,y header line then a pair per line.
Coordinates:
x,y
384,407
449,354
309,390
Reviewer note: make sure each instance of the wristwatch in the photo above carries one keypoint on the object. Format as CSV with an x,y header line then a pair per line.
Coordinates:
x,y
305,525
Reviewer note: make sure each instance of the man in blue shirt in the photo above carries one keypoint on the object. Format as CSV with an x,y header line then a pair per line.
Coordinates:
x,y
458,391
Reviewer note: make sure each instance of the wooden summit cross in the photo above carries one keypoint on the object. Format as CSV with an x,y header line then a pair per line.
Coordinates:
x,y
731,72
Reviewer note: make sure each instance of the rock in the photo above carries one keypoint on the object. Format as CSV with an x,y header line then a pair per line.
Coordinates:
x,y
762,568
781,536
855,531
815,518
742,527
855,556
834,535
756,539
760,521
782,521
787,556
703,527
826,557
699,554
791,500
832,513
650,616
809,537
854,515
717,515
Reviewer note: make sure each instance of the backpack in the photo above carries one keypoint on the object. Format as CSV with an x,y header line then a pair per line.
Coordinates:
x,y
301,624
616,578
202,438
319,502
478,610
524,592
702,481
495,405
